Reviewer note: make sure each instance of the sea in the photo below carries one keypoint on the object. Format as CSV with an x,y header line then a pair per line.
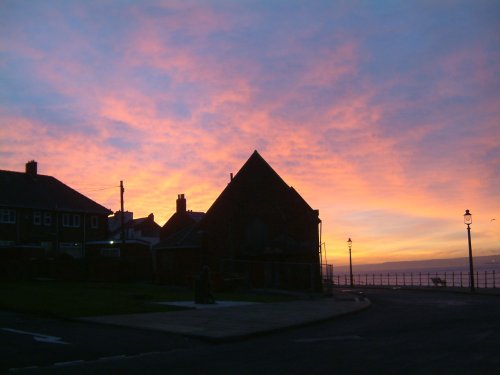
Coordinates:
x,y
454,271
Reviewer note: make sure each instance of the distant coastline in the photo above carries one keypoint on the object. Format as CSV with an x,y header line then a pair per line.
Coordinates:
x,y
481,263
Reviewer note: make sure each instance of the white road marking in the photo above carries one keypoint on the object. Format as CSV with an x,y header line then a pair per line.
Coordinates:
x,y
38,336
334,338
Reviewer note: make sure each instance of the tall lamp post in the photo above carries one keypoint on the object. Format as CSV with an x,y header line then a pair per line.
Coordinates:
x,y
468,222
349,243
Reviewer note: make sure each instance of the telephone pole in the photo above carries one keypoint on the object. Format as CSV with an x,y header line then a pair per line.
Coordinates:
x,y
122,190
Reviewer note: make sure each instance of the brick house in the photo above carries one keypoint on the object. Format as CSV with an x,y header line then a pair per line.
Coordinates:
x,y
259,230
143,229
178,253
39,211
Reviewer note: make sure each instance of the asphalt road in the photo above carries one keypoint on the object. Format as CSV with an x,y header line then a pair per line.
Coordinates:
x,y
403,332
37,342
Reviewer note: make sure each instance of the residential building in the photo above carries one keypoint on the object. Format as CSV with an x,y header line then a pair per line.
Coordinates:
x,y
259,229
143,229
40,211
178,253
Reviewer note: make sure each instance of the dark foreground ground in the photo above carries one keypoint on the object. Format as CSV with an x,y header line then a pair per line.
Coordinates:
x,y
406,332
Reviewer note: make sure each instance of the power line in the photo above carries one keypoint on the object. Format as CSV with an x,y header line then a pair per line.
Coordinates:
x,y
114,187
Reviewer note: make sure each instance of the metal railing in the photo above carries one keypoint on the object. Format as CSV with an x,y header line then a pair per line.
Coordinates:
x,y
483,279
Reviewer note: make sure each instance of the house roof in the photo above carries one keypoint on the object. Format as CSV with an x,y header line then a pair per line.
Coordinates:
x,y
255,181
182,231
186,238
43,192
147,225
257,177
196,216
137,223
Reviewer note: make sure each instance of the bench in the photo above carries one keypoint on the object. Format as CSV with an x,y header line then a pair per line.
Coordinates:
x,y
437,281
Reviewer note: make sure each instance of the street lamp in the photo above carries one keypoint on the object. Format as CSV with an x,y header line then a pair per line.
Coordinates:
x,y
349,243
468,222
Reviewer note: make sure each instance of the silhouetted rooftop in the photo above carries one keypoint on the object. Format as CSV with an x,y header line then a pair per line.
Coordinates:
x,y
43,192
196,216
257,177
186,238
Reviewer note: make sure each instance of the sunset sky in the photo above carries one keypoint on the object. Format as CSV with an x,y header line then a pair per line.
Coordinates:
x,y
384,115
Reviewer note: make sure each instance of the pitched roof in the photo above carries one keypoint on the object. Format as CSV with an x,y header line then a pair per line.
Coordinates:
x,y
43,192
195,215
254,178
182,230
137,223
187,238
147,225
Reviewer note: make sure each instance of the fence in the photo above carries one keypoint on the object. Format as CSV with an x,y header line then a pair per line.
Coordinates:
x,y
482,279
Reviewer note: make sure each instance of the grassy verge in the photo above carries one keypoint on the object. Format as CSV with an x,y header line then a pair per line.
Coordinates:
x,y
76,299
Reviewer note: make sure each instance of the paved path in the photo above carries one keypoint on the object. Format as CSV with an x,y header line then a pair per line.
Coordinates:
x,y
235,322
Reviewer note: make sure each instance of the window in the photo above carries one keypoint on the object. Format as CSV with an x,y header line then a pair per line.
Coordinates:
x,y
37,218
71,221
7,216
94,222
47,219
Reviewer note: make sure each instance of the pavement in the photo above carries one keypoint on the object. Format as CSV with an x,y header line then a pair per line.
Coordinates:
x,y
227,320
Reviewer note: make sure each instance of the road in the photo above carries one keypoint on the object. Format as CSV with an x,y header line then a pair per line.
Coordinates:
x,y
37,342
403,332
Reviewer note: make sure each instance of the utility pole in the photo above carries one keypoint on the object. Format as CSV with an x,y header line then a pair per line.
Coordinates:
x,y
122,190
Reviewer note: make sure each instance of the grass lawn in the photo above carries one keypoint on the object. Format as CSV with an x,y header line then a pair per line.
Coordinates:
x,y
76,299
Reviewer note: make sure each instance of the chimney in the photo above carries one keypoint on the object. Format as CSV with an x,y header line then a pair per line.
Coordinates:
x,y
31,168
181,204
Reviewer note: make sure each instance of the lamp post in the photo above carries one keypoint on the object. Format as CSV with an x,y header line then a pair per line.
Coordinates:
x,y
468,222
349,243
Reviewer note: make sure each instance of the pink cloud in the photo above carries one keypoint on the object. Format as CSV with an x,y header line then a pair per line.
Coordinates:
x,y
335,150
